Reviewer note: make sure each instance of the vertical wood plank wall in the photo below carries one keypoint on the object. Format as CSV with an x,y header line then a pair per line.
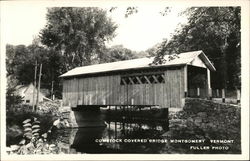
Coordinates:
x,y
174,88
106,90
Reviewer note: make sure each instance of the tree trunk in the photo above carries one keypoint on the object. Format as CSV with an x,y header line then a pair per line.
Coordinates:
x,y
224,70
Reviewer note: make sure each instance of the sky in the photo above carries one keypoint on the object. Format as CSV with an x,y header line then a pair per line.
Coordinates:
x,y
138,32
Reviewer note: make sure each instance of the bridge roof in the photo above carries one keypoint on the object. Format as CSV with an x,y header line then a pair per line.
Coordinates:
x,y
180,59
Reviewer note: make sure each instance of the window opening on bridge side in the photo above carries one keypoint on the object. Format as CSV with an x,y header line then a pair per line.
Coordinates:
x,y
142,79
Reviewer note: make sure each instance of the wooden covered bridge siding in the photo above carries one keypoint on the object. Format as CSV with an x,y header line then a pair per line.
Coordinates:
x,y
108,90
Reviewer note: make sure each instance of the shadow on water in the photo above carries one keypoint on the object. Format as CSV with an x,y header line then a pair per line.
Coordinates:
x,y
128,130
116,137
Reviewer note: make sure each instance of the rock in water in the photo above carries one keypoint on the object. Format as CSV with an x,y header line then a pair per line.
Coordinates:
x,y
57,123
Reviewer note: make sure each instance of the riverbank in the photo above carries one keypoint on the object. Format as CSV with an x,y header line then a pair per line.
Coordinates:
x,y
203,127
205,120
46,113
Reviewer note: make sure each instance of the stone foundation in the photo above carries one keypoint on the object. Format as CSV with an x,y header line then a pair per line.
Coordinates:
x,y
205,119
208,114
85,118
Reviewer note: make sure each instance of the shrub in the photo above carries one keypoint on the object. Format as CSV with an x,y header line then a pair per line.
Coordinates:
x,y
33,142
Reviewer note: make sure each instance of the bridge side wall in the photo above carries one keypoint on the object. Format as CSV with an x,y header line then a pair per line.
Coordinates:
x,y
174,88
107,90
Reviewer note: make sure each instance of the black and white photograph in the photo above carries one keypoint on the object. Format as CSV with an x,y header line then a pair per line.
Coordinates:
x,y
83,79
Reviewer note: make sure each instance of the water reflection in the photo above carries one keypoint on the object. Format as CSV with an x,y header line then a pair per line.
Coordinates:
x,y
116,137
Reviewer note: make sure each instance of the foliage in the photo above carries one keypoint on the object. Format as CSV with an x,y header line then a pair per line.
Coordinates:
x,y
133,10
52,69
166,11
130,11
153,50
16,115
52,61
216,31
12,98
33,142
10,54
20,61
79,34
199,80
20,64
76,36
117,53
47,112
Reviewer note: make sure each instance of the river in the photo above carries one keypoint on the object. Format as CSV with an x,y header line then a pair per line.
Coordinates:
x,y
116,137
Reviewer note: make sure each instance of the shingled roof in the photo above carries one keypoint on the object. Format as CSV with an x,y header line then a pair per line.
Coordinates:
x,y
181,59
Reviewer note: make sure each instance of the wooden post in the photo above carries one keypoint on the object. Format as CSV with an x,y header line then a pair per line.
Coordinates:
x,y
223,95
39,85
217,93
209,84
198,92
185,82
115,130
132,101
238,96
52,88
61,104
34,90
210,93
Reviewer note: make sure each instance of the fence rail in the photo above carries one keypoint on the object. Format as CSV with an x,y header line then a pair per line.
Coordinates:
x,y
198,92
220,95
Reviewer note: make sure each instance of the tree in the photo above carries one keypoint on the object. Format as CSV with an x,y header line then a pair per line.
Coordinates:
x,y
12,98
72,37
117,53
216,31
12,69
10,54
20,64
153,51
79,34
54,70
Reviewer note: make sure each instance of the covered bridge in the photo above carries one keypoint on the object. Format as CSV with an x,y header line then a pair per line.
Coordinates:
x,y
138,83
